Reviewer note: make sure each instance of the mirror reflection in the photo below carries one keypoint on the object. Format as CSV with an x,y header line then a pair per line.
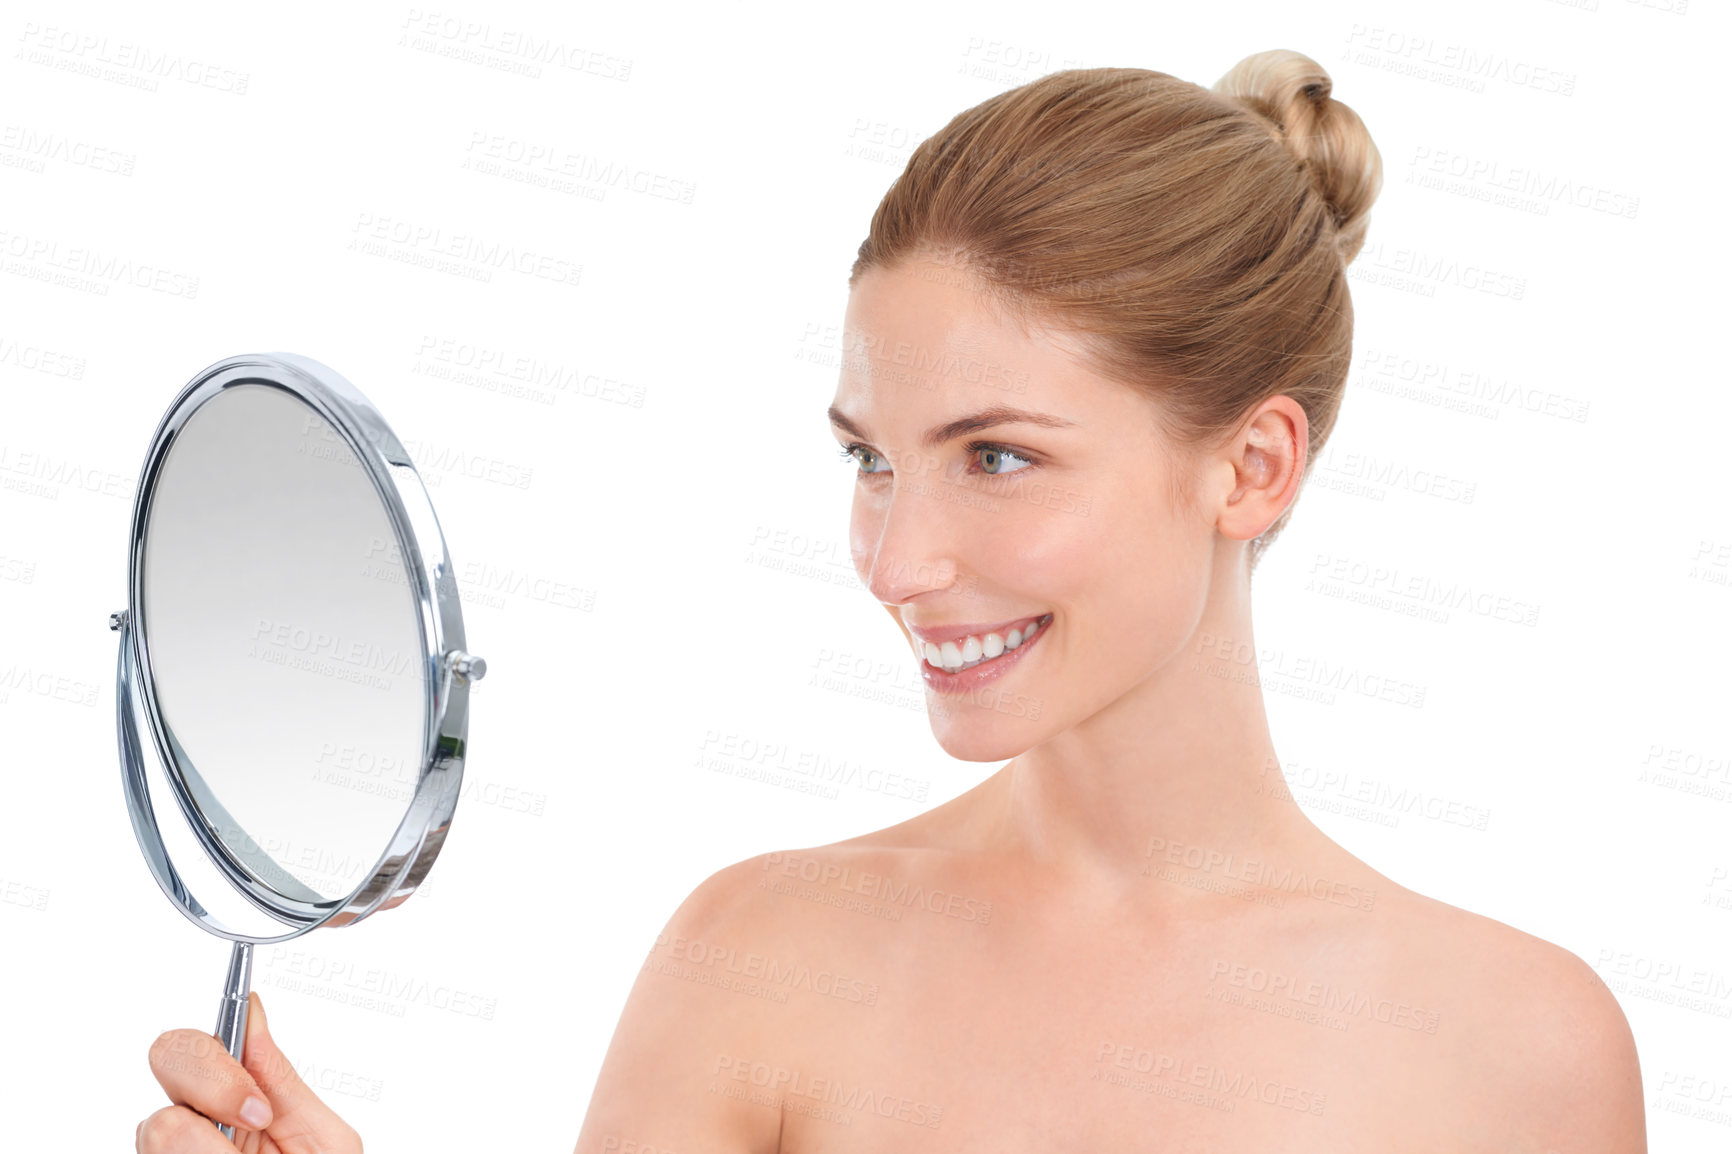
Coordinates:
x,y
284,642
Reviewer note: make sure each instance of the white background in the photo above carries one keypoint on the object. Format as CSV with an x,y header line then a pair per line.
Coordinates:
x,y
654,550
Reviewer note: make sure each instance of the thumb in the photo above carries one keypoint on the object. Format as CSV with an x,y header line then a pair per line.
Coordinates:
x,y
295,1109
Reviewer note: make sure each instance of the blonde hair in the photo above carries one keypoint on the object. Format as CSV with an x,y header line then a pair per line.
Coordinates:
x,y
1196,240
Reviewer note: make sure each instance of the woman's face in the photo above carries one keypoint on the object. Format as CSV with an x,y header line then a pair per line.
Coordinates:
x,y
1012,519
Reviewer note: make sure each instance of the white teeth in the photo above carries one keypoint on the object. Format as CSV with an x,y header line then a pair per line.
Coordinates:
x,y
953,658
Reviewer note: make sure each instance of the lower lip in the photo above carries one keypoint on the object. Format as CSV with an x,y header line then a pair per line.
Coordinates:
x,y
987,671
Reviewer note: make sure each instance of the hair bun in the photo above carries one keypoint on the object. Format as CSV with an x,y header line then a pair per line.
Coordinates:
x,y
1291,91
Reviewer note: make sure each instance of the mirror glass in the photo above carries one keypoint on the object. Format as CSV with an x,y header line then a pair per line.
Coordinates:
x,y
284,642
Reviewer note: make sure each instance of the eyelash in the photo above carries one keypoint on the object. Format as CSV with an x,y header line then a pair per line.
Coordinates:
x,y
852,447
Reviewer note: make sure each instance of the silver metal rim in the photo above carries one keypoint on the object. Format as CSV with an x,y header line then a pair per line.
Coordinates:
x,y
427,567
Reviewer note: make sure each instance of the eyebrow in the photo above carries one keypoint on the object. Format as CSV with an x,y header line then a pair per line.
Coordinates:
x,y
962,426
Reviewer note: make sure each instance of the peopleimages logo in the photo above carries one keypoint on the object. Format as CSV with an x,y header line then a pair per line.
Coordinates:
x,y
1265,874
89,269
465,254
770,971
878,887
795,1084
122,61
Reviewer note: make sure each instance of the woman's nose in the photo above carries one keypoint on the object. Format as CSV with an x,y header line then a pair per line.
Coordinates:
x,y
896,579
905,549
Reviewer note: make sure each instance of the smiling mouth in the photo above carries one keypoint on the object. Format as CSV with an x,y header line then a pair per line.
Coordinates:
x,y
954,656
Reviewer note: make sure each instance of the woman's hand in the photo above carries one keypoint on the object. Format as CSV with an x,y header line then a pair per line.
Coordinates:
x,y
271,1109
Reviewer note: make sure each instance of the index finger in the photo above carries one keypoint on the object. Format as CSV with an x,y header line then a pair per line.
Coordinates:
x,y
177,1130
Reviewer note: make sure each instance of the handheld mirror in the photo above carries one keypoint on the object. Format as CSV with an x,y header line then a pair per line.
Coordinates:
x,y
293,642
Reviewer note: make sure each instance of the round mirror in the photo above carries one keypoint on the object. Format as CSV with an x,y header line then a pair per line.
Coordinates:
x,y
293,645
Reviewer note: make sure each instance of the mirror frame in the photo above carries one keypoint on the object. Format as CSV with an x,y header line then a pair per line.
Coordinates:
x,y
446,668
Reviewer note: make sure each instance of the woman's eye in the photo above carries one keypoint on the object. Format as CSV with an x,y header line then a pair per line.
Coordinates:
x,y
862,456
996,460
994,457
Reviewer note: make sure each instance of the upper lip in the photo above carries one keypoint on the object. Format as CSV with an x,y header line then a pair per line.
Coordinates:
x,y
939,634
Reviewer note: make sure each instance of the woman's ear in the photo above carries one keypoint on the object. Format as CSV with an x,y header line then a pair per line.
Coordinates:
x,y
1267,460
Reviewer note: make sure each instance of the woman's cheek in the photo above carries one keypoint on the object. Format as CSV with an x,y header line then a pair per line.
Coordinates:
x,y
1145,571
1035,552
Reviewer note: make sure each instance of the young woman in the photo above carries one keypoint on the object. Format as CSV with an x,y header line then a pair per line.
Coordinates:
x,y
1098,331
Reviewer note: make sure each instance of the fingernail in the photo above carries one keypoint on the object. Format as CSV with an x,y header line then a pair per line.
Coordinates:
x,y
256,1112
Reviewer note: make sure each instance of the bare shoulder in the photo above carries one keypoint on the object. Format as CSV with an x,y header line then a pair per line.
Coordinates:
x,y
789,898
1538,1039
695,1030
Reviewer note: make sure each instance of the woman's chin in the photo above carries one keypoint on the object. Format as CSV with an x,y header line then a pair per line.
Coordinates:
x,y
975,733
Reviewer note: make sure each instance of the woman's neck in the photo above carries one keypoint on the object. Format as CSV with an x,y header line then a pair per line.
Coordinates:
x,y
1180,771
